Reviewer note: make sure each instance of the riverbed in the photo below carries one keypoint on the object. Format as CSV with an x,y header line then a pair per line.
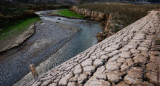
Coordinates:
x,y
56,40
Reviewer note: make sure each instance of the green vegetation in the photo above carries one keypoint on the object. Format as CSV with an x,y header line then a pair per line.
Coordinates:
x,y
9,34
123,14
11,14
68,13
18,28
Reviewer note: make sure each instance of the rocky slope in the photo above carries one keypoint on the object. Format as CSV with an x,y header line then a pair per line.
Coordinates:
x,y
128,58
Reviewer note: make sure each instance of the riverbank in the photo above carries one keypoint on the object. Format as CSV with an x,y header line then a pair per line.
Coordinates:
x,y
129,57
47,40
113,15
17,34
66,13
13,13
51,34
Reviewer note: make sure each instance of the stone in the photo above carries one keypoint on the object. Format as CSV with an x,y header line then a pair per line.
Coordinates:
x,y
114,58
122,84
100,69
139,36
88,73
133,51
110,66
89,68
53,84
98,62
37,84
143,48
74,79
125,54
146,43
98,83
152,67
124,67
46,78
152,76
113,77
82,78
77,69
127,64
87,62
93,57
104,57
121,60
102,76
125,49
100,73
155,59
64,80
109,49
145,53
130,80
46,83
147,84
135,74
113,53
140,59
154,53
137,69
71,84
132,46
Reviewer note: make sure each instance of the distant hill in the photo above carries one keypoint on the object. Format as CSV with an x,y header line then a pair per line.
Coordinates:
x,y
68,1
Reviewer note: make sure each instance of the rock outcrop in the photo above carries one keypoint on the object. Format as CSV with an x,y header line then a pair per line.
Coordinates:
x,y
127,58
92,15
104,18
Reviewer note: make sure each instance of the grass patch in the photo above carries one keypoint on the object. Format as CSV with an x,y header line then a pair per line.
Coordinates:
x,y
17,28
11,14
68,13
9,34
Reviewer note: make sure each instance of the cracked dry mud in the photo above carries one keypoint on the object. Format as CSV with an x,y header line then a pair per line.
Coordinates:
x,y
127,58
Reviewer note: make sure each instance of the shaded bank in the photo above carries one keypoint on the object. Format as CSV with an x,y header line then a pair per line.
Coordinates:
x,y
16,34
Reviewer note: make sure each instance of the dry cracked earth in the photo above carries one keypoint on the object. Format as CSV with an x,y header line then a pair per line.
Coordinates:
x,y
130,57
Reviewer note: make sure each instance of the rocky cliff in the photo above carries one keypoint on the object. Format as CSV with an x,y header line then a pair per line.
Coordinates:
x,y
128,58
104,18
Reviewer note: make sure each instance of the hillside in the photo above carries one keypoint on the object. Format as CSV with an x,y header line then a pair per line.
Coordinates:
x,y
72,1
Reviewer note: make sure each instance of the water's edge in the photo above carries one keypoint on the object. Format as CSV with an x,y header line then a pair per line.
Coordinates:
x,y
83,39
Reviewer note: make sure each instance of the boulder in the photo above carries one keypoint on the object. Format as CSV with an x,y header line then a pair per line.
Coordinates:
x,y
87,62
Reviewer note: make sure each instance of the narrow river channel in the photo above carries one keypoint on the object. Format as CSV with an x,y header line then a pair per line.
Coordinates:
x,y
56,40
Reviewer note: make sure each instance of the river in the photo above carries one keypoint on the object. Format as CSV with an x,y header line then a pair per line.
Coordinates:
x,y
56,40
